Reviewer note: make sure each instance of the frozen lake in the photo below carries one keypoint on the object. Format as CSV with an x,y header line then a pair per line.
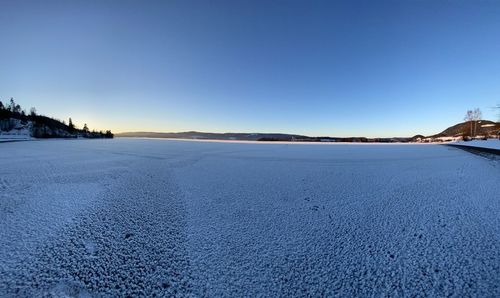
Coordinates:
x,y
142,217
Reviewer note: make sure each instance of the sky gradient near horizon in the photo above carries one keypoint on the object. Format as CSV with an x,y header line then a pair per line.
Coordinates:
x,y
337,68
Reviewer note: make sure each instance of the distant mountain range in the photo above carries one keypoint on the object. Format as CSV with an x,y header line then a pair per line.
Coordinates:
x,y
485,127
196,135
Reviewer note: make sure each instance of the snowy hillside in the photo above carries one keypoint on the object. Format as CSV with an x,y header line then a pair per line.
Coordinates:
x,y
17,130
478,128
172,218
15,124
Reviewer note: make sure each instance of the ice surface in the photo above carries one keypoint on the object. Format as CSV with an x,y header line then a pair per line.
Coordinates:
x,y
175,218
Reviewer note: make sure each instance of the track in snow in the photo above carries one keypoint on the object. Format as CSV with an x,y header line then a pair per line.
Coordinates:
x,y
156,217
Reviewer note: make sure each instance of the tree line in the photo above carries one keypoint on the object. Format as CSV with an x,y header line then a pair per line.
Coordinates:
x,y
43,126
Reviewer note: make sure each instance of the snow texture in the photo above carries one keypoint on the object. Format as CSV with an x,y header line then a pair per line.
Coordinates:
x,y
178,218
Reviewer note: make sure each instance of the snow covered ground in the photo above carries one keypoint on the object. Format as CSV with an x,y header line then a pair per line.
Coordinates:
x,y
490,143
143,217
13,138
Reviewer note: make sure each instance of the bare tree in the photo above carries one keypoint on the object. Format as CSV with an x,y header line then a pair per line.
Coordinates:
x,y
477,115
469,117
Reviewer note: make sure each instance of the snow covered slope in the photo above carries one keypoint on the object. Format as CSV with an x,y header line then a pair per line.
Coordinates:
x,y
20,131
143,217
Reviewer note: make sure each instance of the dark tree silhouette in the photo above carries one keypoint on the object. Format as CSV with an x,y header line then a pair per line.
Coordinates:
x,y
14,108
42,126
71,126
109,134
4,113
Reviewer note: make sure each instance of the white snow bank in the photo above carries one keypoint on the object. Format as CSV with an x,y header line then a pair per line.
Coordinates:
x,y
14,137
490,143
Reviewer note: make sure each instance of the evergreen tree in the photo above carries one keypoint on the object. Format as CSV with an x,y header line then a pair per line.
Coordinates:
x,y
71,126
85,128
12,106
109,134
4,113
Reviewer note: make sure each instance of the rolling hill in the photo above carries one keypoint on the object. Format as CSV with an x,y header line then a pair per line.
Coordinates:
x,y
485,127
481,128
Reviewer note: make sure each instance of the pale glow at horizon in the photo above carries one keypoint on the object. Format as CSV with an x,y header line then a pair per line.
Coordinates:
x,y
333,68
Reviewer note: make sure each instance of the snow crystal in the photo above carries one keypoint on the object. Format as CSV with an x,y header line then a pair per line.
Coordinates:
x,y
175,218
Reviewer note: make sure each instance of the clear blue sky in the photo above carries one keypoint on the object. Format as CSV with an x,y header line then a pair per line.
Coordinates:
x,y
371,68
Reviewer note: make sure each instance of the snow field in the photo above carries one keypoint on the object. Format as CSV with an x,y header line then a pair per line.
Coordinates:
x,y
173,218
